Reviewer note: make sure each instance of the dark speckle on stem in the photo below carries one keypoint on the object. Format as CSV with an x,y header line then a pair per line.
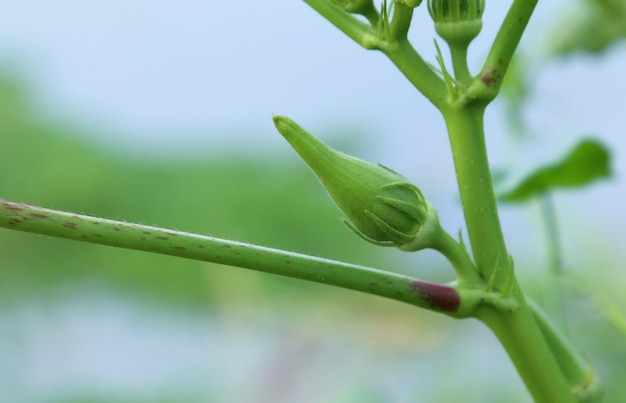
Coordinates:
x,y
13,206
70,225
490,78
163,238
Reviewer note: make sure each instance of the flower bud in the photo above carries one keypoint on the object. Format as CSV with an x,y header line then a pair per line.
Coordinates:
x,y
381,205
458,22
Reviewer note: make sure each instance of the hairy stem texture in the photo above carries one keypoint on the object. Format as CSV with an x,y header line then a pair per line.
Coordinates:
x,y
517,330
22,217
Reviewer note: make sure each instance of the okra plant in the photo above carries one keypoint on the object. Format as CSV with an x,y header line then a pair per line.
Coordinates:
x,y
384,208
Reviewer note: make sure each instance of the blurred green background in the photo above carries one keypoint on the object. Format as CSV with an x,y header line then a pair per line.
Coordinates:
x,y
87,323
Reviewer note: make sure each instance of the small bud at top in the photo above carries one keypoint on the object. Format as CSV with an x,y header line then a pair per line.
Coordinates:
x,y
381,205
458,22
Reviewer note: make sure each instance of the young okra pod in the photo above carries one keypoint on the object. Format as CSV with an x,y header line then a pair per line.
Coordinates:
x,y
381,205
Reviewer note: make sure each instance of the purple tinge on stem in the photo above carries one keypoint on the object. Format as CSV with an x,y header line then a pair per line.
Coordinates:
x,y
438,296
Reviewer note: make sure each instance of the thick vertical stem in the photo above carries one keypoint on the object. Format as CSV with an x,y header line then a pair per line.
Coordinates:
x,y
521,338
517,330
465,128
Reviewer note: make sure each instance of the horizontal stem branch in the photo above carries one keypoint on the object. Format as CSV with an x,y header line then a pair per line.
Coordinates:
x,y
22,217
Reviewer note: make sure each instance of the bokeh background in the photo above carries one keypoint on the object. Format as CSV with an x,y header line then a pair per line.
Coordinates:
x,y
160,113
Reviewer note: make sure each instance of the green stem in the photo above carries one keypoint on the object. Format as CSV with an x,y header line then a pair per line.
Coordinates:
x,y
528,344
417,71
517,330
459,63
465,128
458,257
346,23
576,370
22,217
397,48
401,21
523,341
490,78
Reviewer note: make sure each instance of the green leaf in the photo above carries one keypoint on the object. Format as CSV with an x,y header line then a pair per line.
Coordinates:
x,y
584,164
591,26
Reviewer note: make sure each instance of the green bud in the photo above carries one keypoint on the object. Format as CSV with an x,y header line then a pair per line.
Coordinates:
x,y
458,22
382,206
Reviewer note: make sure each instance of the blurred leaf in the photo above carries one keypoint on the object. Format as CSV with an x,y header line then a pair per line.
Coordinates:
x,y
612,314
608,300
591,26
586,163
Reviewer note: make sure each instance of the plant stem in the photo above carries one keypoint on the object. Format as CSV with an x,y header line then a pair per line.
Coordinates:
x,y
517,330
401,21
465,129
346,23
458,257
503,48
524,343
528,344
576,370
417,71
22,217
397,48
459,63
